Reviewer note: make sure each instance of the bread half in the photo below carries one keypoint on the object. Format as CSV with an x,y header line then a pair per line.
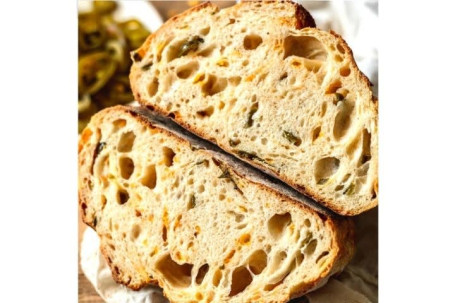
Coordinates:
x,y
257,80
172,212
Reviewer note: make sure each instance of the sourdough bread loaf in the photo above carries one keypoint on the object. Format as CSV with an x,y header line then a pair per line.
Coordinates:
x,y
260,82
173,211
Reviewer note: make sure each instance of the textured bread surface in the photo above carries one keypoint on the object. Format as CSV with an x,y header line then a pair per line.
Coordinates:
x,y
172,213
257,80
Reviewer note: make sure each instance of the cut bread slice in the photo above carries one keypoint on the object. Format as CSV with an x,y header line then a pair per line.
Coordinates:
x,y
172,211
289,100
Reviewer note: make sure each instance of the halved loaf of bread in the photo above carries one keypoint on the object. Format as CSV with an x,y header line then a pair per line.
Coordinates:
x,y
171,211
287,99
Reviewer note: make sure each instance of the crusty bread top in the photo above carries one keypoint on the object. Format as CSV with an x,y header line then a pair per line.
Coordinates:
x,y
288,100
195,226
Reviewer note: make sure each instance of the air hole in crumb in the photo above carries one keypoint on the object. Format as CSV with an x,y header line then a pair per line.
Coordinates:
x,y
316,133
164,234
345,71
244,239
307,223
322,255
135,232
299,257
245,62
149,179
178,275
339,187
253,109
263,141
333,87
126,142
118,124
221,197
201,273
338,58
221,105
206,112
241,278
342,120
340,48
292,80
168,155
205,30
324,168
152,88
126,166
304,46
257,261
216,277
366,148
278,223
311,247
103,201
201,188
234,80
185,71
213,85
251,41
323,109
122,196
283,76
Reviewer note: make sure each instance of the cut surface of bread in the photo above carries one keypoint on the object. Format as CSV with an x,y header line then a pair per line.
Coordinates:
x,y
173,213
288,99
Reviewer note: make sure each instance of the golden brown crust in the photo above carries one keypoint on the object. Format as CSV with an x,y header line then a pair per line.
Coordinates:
x,y
351,58
342,243
302,17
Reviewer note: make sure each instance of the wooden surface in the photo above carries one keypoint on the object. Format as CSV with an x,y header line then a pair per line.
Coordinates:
x,y
87,293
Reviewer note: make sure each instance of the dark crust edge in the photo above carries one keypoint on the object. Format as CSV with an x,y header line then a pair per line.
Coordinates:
x,y
303,17
342,241
242,169
331,205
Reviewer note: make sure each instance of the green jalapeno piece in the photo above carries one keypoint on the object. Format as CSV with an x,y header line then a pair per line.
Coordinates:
x,y
95,70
